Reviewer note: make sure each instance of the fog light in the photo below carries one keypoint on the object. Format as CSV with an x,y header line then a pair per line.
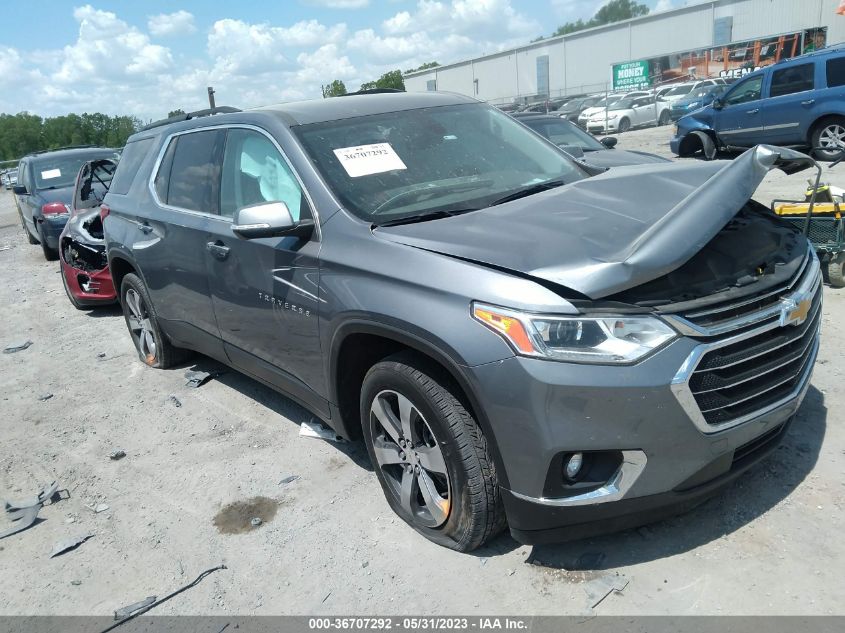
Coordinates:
x,y
573,465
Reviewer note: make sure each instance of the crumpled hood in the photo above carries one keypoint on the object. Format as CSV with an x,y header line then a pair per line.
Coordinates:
x,y
607,233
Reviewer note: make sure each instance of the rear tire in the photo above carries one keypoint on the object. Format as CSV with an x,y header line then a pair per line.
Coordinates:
x,y
664,118
29,237
624,126
430,456
836,270
825,133
50,254
153,347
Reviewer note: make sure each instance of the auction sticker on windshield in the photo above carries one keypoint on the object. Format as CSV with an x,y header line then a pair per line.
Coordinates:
x,y
365,160
51,173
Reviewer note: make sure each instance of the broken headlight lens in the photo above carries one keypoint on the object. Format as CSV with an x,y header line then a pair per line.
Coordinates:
x,y
612,339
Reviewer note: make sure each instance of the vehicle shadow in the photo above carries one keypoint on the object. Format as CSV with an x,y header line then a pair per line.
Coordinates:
x,y
762,487
98,312
283,406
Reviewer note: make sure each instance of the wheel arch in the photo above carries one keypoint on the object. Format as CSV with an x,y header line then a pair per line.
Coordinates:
x,y
119,267
819,121
358,345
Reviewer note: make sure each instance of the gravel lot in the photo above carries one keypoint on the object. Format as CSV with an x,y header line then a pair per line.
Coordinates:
x,y
329,543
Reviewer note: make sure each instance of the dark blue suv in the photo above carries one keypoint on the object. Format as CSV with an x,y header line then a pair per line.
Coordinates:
x,y
799,102
45,190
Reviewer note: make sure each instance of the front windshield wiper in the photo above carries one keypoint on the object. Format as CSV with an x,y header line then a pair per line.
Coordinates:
x,y
425,217
528,191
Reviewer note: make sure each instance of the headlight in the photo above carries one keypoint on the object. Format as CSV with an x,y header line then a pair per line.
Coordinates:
x,y
611,339
675,129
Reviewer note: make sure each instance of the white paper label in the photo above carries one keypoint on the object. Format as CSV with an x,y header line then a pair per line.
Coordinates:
x,y
365,160
51,173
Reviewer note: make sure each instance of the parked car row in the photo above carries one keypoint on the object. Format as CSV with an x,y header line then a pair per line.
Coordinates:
x,y
445,281
9,178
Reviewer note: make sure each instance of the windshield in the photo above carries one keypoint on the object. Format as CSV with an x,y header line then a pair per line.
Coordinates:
x,y
385,167
622,104
679,90
607,101
55,172
565,133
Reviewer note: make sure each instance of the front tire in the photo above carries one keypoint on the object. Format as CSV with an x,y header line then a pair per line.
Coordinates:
x,y
836,270
153,347
624,126
430,456
663,119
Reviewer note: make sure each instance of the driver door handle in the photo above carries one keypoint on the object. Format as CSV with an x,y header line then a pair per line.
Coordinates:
x,y
808,102
145,228
754,111
218,249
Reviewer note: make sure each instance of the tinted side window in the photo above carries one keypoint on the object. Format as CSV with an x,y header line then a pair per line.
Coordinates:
x,y
746,91
793,79
195,172
254,172
130,161
163,176
835,68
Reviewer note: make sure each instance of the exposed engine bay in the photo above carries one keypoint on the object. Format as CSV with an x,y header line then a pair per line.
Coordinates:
x,y
753,252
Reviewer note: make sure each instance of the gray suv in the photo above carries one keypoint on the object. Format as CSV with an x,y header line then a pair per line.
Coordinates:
x,y
518,339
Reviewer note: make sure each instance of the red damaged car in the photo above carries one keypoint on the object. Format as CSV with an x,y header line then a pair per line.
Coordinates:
x,y
82,252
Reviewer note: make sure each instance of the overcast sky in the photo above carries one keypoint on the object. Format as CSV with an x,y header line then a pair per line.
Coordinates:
x,y
146,58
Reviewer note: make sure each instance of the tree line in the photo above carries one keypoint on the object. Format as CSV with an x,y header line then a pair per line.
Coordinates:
x,y
23,133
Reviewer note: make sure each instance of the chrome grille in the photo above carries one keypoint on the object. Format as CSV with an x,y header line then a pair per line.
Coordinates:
x,y
740,378
740,374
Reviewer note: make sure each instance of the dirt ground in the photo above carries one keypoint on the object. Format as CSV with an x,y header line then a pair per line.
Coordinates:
x,y
200,463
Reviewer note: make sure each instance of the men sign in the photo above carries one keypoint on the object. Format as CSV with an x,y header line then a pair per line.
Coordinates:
x,y
631,75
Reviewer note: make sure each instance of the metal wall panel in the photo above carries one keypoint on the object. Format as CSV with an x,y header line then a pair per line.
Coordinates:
x,y
497,78
588,57
673,32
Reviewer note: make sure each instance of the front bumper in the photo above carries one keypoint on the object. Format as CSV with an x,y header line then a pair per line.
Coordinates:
x,y
671,458
87,287
603,127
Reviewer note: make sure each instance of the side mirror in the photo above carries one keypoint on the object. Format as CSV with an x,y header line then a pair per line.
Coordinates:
x,y
269,219
20,190
609,142
718,104
576,151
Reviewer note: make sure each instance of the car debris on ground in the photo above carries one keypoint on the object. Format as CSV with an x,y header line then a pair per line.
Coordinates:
x,y
96,509
116,455
17,347
44,397
600,588
198,378
132,611
313,428
172,398
24,513
288,479
68,544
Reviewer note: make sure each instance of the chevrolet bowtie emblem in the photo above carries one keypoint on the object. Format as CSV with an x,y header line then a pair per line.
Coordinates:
x,y
795,311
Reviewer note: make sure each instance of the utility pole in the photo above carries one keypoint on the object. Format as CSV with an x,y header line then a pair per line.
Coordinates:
x,y
211,97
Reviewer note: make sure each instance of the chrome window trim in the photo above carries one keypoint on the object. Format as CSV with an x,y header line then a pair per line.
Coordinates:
x,y
680,383
213,216
633,465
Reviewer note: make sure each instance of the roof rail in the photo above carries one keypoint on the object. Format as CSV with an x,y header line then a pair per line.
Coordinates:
x,y
189,115
372,91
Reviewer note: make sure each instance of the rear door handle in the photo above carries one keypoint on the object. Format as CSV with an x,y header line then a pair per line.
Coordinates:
x,y
218,249
145,228
808,102
754,111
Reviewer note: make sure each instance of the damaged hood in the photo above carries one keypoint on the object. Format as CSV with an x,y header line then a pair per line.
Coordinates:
x,y
620,157
608,233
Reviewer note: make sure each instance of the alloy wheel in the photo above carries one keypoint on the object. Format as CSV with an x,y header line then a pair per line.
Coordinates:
x,y
410,458
831,135
140,326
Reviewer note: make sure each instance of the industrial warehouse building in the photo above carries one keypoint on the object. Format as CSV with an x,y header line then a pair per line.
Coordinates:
x,y
707,39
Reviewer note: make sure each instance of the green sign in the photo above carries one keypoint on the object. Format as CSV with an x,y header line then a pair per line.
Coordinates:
x,y
631,75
